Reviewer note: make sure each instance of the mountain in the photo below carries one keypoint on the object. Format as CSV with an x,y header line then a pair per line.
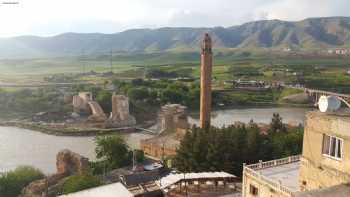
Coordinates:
x,y
312,33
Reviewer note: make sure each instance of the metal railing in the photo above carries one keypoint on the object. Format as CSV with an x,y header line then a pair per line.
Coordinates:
x,y
251,170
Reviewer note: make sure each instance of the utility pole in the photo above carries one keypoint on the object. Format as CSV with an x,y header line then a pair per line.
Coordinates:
x,y
83,60
111,61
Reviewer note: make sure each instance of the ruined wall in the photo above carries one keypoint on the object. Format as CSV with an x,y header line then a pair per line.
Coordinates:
x,y
173,117
319,171
160,147
81,102
120,115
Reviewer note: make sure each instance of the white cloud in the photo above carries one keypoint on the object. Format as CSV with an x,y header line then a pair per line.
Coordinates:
x,y
48,17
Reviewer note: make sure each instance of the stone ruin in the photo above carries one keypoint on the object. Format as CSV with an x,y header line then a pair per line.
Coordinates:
x,y
120,115
173,117
81,102
67,163
84,104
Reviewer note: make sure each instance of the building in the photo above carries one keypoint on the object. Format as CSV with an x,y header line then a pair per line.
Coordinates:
x,y
173,126
173,117
325,161
202,184
206,71
339,51
323,166
111,190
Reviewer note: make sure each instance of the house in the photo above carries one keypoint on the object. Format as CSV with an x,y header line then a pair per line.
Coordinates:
x,y
322,169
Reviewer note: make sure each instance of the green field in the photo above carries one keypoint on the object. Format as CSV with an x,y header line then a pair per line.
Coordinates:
x,y
318,72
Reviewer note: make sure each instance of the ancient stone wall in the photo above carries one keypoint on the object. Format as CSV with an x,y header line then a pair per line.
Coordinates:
x,y
173,117
120,115
81,102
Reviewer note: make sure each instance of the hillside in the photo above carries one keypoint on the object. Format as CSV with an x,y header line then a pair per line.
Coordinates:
x,y
306,34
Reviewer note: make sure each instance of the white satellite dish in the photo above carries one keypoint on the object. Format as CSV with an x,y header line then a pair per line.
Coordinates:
x,y
328,103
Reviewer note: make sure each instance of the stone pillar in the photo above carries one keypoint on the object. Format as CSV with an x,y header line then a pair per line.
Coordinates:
x,y
206,72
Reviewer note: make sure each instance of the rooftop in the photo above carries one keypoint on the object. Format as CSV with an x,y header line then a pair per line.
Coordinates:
x,y
287,174
112,190
281,175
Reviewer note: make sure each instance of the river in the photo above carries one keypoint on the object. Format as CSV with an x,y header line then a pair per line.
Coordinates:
x,y
26,147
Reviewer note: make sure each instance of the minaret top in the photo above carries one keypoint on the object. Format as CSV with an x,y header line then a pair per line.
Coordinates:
x,y
206,44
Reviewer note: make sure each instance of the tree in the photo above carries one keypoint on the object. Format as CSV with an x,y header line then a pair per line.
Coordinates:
x,y
12,182
104,98
113,150
80,182
276,124
136,94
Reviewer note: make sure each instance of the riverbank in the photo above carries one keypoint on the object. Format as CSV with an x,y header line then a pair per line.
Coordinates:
x,y
58,130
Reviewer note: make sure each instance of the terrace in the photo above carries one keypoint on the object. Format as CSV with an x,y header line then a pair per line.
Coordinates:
x,y
280,175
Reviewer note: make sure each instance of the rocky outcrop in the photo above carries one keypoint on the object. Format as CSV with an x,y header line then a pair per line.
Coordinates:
x,y
67,163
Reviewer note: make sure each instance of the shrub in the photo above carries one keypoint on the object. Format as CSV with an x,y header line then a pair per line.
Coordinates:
x,y
12,182
80,182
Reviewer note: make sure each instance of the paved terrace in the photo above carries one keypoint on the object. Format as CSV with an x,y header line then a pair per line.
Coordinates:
x,y
281,174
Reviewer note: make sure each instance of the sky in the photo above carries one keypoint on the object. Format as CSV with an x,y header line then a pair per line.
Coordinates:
x,y
52,17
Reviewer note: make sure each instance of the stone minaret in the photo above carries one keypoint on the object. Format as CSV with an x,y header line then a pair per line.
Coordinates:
x,y
206,70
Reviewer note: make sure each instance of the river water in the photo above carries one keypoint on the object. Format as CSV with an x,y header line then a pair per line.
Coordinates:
x,y
26,147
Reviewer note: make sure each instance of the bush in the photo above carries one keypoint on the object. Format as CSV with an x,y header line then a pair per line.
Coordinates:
x,y
80,182
12,182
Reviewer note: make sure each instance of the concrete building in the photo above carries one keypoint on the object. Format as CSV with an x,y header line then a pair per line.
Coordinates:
x,y
323,167
206,71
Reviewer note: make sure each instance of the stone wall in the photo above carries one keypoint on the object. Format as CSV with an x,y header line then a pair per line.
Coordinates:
x,y
120,115
81,102
173,117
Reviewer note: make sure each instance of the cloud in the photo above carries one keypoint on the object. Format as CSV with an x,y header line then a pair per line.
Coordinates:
x,y
49,17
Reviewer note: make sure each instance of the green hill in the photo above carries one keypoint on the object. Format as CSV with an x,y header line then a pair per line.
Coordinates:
x,y
313,33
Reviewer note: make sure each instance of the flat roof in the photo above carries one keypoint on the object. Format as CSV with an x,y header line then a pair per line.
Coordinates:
x,y
288,174
111,190
174,178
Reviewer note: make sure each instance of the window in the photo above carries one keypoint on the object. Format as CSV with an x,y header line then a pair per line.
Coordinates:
x,y
332,146
253,190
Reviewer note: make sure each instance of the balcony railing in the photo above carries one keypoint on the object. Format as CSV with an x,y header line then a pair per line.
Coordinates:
x,y
252,171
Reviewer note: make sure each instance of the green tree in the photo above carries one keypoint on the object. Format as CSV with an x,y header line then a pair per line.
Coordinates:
x,y
113,150
12,182
137,94
80,182
104,98
276,124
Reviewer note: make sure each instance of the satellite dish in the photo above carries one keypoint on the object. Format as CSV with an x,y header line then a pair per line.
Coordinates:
x,y
328,103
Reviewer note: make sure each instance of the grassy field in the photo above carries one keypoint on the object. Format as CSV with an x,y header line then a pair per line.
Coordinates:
x,y
324,72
